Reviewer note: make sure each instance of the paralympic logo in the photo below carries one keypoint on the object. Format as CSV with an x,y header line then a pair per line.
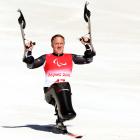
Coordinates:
x,y
59,64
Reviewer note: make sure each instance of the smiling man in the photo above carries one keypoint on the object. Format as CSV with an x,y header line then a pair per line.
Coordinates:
x,y
58,69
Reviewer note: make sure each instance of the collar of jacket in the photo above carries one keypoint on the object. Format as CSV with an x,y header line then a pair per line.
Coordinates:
x,y
57,54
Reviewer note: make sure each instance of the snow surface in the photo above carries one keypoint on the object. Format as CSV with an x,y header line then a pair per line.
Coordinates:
x,y
106,93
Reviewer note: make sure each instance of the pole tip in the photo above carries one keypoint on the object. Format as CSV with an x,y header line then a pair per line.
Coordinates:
x,y
18,10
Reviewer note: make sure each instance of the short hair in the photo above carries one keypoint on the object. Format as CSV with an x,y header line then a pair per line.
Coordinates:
x,y
57,35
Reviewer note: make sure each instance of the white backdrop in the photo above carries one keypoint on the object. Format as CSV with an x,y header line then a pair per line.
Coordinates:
x,y
106,93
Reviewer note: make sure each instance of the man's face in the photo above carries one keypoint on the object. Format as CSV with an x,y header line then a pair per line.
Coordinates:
x,y
58,45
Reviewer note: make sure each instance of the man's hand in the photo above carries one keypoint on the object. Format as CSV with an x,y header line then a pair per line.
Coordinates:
x,y
85,40
29,45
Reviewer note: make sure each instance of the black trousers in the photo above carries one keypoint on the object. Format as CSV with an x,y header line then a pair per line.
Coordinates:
x,y
59,95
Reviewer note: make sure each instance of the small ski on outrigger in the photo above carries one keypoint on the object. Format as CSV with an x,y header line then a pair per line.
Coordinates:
x,y
87,15
22,23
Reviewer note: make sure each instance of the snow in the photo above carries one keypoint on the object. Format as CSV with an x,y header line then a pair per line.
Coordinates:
x,y
106,93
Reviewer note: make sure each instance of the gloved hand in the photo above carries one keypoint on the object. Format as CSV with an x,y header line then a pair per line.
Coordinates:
x,y
85,40
29,45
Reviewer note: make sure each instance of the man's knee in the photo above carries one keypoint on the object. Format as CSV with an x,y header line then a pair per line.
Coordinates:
x,y
48,96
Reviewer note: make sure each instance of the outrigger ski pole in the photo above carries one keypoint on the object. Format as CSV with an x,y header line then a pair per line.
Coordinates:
x,y
22,24
87,15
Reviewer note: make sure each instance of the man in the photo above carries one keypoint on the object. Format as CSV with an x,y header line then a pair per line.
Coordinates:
x,y
58,69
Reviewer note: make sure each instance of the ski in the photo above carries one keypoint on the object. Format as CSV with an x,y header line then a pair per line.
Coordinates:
x,y
74,135
57,130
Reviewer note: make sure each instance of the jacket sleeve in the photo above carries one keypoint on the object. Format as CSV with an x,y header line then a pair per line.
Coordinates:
x,y
84,59
33,63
